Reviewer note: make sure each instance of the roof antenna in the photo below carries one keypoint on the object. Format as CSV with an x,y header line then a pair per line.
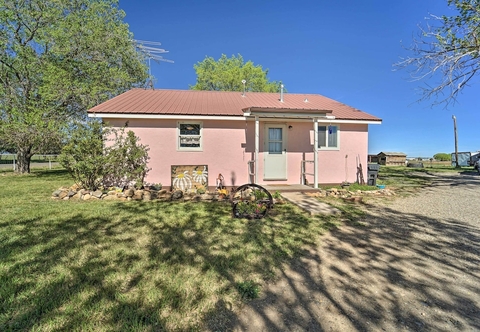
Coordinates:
x,y
150,50
243,82
281,93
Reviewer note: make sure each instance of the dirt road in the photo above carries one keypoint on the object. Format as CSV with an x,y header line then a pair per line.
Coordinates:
x,y
412,264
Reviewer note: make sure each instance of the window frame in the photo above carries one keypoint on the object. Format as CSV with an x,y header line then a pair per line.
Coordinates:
x,y
326,146
179,136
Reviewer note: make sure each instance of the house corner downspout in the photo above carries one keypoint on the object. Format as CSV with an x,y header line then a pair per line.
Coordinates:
x,y
315,153
257,146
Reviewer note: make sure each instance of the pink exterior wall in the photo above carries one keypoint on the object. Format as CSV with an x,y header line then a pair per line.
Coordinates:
x,y
229,145
334,166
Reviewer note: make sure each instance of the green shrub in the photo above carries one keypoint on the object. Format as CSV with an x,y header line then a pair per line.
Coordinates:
x,y
156,186
126,160
83,155
97,156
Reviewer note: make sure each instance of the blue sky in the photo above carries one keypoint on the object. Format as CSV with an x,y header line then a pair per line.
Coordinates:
x,y
340,49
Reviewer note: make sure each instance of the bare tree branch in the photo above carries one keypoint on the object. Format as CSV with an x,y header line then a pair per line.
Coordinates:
x,y
447,52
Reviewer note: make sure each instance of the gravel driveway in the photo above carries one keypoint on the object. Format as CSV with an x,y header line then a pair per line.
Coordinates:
x,y
412,264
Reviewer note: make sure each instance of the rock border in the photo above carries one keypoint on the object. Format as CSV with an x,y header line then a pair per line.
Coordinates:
x,y
163,195
352,195
131,194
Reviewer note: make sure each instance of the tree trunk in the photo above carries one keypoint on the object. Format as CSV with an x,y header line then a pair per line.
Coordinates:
x,y
23,161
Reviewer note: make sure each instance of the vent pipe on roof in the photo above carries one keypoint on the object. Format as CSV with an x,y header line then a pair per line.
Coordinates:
x,y
281,93
243,82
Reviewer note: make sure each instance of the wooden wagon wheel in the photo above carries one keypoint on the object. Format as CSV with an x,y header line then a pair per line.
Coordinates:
x,y
251,201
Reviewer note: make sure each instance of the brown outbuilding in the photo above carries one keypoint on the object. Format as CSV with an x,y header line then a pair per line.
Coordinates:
x,y
392,158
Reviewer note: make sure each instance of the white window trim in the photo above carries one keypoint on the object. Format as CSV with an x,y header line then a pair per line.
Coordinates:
x,y
335,148
179,148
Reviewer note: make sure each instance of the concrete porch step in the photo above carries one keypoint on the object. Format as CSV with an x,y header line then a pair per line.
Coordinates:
x,y
288,188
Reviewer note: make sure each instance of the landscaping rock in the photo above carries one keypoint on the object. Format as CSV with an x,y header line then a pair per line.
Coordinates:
x,y
164,196
86,197
56,193
62,194
138,195
97,194
75,187
129,192
147,196
206,197
177,194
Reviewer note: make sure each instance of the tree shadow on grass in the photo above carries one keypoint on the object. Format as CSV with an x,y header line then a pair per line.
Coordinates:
x,y
55,275
134,266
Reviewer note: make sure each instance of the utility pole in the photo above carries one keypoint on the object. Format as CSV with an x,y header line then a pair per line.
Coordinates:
x,y
456,140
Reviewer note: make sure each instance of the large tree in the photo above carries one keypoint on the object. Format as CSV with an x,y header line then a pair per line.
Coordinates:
x,y
57,59
447,51
227,74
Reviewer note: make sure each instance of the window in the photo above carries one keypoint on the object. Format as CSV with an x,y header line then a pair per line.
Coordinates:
x,y
275,140
189,136
328,137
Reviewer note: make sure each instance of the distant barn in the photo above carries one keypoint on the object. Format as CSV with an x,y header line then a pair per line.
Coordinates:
x,y
388,158
392,158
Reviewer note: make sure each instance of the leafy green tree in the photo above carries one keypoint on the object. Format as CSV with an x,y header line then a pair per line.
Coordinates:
x,y
446,51
57,59
227,74
442,157
100,156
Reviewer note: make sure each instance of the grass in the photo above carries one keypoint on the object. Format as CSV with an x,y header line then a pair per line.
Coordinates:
x,y
142,266
408,179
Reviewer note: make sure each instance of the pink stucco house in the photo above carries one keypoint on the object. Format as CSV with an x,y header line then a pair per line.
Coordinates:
x,y
252,137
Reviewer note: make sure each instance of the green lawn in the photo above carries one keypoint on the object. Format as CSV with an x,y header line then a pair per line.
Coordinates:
x,y
144,266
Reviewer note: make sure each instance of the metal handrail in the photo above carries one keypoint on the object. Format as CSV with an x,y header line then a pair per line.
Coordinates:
x,y
304,171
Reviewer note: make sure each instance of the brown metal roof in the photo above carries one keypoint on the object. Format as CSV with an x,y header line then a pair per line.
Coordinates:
x,y
216,103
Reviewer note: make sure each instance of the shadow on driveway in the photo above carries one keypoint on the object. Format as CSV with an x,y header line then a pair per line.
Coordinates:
x,y
410,265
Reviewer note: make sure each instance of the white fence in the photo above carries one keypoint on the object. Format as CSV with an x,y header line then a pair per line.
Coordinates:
x,y
42,159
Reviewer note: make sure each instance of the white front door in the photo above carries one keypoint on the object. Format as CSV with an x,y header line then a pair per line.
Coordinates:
x,y
275,152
